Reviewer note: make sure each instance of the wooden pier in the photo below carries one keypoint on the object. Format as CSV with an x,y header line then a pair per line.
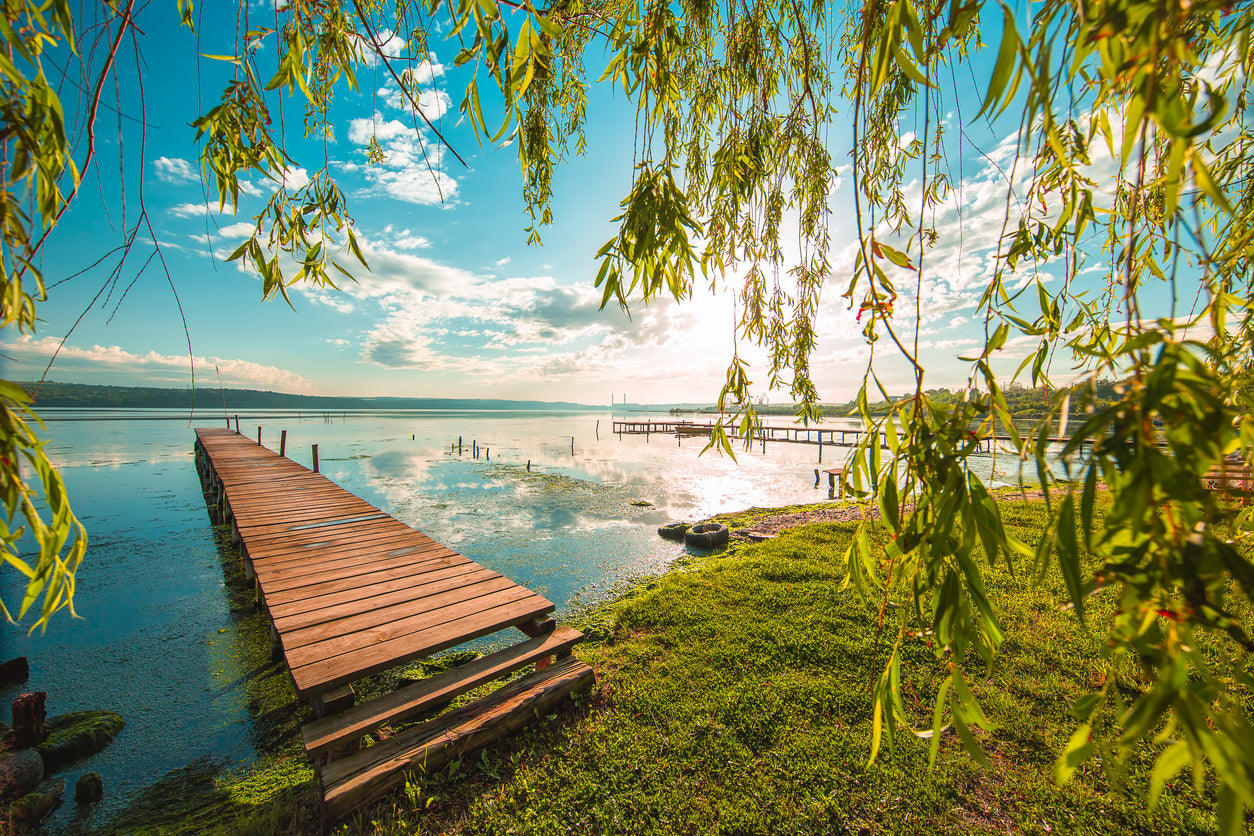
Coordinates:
x,y
351,591
794,434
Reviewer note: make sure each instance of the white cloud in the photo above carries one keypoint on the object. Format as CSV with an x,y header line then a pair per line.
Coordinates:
x,y
502,262
237,231
30,352
412,167
200,210
174,170
411,242
432,102
294,178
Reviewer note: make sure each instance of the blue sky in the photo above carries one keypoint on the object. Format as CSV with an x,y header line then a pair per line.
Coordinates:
x,y
457,305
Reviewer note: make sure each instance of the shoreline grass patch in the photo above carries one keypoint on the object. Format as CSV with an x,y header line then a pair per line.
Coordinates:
x,y
734,695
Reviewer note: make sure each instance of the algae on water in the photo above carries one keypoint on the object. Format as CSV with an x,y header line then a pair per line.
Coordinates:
x,y
76,735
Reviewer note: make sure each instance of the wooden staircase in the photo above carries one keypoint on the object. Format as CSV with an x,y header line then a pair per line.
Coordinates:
x,y
351,776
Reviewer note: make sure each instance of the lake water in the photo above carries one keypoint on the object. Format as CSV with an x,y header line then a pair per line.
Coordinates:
x,y
156,640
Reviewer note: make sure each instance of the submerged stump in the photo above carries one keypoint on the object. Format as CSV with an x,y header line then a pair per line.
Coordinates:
x,y
76,735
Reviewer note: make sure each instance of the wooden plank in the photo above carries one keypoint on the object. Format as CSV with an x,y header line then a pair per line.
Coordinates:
x,y
301,527
355,633
329,732
321,625
399,550
336,670
278,542
363,776
338,536
333,534
386,573
385,543
364,599
384,548
318,574
309,503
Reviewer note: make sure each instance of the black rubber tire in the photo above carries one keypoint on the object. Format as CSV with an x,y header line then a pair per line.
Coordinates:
x,y
674,531
707,536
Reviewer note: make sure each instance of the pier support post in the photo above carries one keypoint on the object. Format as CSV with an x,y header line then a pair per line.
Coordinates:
x,y
283,443
315,458
333,701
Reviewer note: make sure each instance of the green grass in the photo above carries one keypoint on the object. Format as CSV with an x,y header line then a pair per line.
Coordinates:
x,y
733,696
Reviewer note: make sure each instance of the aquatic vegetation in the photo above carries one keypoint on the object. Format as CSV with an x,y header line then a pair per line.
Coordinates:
x,y
76,735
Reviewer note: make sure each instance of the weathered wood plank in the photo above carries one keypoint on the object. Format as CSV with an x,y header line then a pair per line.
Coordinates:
x,y
373,658
322,627
379,573
320,574
370,599
363,557
364,776
277,553
330,732
327,640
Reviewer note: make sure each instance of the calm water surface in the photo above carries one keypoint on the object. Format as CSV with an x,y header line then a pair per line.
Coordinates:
x,y
155,639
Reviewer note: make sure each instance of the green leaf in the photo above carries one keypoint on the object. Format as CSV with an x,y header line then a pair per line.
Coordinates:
x,y
1202,175
1069,555
1004,67
1076,752
1171,761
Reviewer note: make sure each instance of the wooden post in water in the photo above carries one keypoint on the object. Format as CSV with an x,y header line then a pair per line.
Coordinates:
x,y
528,465
259,436
487,453
283,443
315,458
572,445
237,425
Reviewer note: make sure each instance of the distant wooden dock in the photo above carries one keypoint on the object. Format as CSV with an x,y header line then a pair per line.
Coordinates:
x,y
351,591
795,434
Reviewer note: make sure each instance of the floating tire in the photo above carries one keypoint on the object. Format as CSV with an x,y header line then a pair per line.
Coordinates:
x,y
706,536
674,531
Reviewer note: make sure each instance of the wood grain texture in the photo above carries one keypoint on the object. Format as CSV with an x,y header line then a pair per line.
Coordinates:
x,y
329,732
368,774
351,589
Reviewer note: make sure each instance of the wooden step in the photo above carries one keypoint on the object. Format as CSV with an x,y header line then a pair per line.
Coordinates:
x,y
330,733
365,775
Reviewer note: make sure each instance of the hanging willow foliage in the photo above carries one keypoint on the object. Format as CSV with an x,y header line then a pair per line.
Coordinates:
x,y
1129,157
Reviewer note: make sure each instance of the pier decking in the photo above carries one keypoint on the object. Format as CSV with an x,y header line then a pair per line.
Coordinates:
x,y
352,591
794,434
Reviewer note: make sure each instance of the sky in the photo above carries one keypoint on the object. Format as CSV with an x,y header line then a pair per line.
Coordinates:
x,y
456,304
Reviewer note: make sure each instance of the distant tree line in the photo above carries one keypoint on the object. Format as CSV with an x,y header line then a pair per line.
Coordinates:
x,y
210,401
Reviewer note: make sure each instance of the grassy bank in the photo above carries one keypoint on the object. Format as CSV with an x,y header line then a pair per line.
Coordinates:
x,y
733,697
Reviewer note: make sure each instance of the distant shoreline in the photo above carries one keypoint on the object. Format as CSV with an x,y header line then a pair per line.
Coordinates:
x,y
210,400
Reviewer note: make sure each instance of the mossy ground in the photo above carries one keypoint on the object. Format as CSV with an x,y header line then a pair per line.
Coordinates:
x,y
733,696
